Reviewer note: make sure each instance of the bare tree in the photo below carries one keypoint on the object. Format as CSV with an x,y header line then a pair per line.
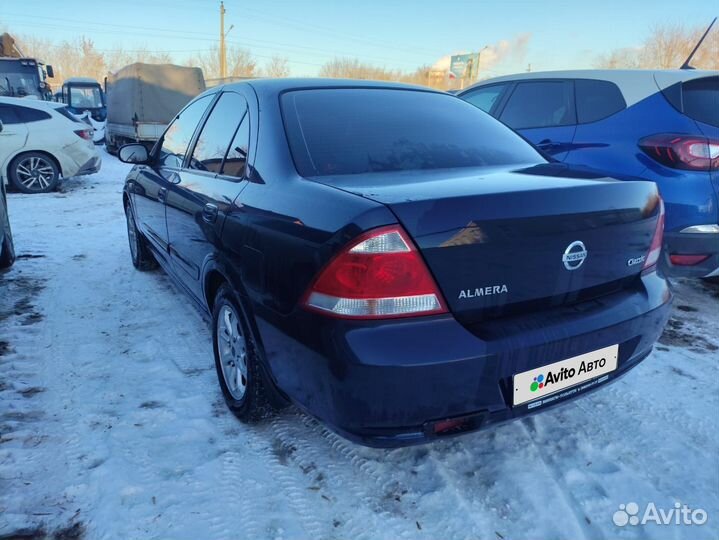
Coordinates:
x,y
667,47
352,68
240,62
277,67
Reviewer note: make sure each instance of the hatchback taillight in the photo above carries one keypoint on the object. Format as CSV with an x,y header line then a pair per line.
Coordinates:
x,y
682,151
379,275
655,249
84,134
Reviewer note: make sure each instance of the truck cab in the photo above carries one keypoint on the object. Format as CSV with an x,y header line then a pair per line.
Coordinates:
x,y
86,99
25,77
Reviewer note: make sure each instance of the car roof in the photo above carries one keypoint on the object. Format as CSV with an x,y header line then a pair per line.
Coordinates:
x,y
635,84
269,88
81,80
31,102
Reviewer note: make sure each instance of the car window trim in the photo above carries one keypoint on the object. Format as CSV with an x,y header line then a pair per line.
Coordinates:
x,y
572,97
236,179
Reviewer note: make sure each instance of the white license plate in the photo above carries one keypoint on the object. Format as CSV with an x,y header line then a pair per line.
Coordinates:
x,y
545,380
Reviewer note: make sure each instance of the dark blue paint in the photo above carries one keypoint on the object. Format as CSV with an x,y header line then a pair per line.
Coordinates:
x,y
383,383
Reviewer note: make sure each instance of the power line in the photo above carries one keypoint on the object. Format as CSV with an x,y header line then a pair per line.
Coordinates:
x,y
192,36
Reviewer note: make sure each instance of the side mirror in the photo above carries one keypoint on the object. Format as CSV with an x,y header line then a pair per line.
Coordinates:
x,y
133,153
50,72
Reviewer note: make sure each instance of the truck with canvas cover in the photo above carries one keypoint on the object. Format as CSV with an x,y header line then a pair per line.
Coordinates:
x,y
143,98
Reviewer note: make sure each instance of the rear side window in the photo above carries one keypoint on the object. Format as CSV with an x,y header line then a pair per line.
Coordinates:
x,y
597,100
179,134
701,100
364,130
485,98
8,114
539,104
236,160
217,133
32,115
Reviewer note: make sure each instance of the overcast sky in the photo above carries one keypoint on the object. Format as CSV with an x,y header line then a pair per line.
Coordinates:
x,y
391,33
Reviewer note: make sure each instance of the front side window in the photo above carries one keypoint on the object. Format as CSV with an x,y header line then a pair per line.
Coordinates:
x,y
179,135
597,100
539,104
485,98
217,133
365,130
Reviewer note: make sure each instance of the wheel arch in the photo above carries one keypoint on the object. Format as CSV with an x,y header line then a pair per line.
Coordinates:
x,y
214,279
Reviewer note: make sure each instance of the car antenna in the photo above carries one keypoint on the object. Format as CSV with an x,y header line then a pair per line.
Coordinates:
x,y
686,65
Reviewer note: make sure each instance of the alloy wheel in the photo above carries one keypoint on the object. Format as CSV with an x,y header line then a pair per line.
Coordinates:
x,y
35,173
132,234
232,348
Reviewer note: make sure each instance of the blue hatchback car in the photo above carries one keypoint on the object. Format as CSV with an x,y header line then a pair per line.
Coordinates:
x,y
661,126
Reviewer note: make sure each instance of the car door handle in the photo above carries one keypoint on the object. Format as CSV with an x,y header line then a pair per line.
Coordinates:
x,y
162,194
547,143
209,213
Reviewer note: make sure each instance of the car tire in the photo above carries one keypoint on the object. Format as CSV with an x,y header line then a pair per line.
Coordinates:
x,y
142,257
34,172
244,385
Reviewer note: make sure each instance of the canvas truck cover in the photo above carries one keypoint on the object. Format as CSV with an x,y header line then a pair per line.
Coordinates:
x,y
152,93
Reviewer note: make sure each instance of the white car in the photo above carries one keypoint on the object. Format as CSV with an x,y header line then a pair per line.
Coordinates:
x,y
42,142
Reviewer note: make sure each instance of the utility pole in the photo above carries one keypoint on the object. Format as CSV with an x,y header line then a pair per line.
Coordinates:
x,y
223,57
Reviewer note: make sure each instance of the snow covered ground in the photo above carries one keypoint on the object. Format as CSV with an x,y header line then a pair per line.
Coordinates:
x,y
112,424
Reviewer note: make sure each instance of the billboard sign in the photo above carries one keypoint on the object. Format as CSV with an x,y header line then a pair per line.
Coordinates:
x,y
458,65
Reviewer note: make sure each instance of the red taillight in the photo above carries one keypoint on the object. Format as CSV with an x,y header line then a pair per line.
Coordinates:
x,y
687,260
379,275
682,151
84,134
655,249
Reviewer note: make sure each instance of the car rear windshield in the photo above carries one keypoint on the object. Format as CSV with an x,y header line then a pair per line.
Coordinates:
x,y
355,131
65,111
701,100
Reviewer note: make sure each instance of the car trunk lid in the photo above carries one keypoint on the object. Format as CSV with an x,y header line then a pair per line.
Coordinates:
x,y
500,241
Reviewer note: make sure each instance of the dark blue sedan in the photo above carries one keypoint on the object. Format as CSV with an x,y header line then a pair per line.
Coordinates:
x,y
391,259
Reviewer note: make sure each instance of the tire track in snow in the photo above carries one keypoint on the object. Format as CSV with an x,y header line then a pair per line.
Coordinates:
x,y
392,489
335,478
556,473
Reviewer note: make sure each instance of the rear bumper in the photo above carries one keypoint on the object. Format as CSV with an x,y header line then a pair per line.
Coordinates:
x,y
386,384
691,244
79,158
90,167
